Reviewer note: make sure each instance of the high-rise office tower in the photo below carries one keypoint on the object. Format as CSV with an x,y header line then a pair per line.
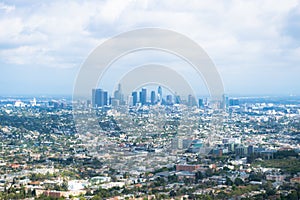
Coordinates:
x,y
169,99
115,102
140,97
250,149
233,102
130,100
134,98
94,97
191,100
177,99
99,97
105,98
144,96
119,87
159,94
118,94
153,97
201,103
224,102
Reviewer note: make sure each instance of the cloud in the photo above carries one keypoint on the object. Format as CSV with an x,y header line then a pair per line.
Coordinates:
x,y
49,35
240,36
6,8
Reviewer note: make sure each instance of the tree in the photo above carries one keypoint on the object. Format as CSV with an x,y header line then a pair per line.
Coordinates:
x,y
172,193
255,176
172,178
293,196
198,176
160,181
228,182
102,193
222,195
270,192
238,181
226,168
96,197
64,186
209,172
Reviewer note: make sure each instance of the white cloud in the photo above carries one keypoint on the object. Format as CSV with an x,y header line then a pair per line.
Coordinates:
x,y
6,8
236,34
240,28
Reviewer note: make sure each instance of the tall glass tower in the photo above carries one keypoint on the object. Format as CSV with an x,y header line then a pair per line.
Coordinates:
x,y
159,93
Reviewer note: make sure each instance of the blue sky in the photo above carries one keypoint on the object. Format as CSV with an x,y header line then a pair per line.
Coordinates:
x,y
255,45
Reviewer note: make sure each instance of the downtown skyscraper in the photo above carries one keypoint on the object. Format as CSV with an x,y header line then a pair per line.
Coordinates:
x,y
99,97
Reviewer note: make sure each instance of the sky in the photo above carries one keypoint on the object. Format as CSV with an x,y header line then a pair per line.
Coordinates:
x,y
255,45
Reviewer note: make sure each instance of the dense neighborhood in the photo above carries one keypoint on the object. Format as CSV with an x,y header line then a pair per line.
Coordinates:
x,y
157,151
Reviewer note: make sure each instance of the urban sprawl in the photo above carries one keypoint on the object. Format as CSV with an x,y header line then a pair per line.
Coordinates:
x,y
149,145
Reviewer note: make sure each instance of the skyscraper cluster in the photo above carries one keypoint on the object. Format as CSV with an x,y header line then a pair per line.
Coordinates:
x,y
101,98
118,98
141,97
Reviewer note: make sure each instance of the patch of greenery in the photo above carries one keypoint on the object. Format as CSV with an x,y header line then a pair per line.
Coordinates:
x,y
288,165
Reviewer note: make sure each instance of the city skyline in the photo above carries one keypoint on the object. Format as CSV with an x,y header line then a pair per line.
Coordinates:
x,y
142,96
254,45
146,96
